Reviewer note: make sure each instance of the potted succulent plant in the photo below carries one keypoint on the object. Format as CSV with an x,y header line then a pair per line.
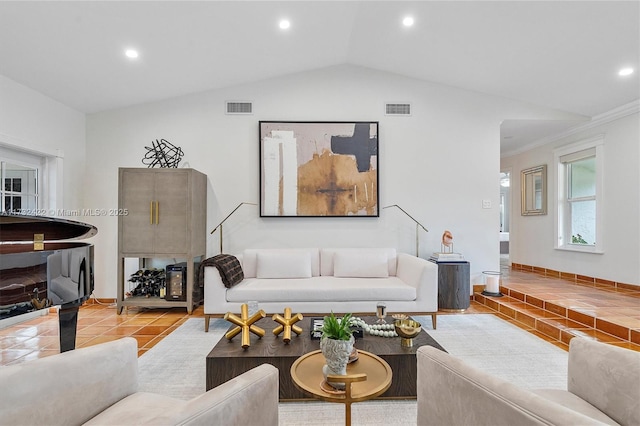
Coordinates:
x,y
336,345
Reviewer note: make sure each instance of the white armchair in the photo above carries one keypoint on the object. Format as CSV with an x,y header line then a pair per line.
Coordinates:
x,y
603,388
98,386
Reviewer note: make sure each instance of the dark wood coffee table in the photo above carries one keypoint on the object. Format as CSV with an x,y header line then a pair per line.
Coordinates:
x,y
227,359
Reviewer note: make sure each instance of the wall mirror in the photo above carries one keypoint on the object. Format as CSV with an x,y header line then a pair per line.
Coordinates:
x,y
534,191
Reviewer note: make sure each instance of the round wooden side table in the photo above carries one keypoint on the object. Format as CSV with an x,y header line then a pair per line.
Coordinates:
x,y
366,378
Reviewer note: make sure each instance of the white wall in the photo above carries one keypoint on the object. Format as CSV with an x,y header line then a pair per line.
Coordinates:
x,y
532,237
31,120
439,164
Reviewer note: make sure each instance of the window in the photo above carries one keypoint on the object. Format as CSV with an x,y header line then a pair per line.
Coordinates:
x,y
29,179
20,188
579,183
581,200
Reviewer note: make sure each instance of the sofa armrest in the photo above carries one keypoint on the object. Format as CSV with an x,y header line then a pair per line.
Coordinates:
x,y
215,293
71,387
423,275
451,392
248,399
607,377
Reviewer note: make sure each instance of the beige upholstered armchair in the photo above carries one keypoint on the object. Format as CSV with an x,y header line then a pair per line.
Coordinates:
x,y
603,387
98,385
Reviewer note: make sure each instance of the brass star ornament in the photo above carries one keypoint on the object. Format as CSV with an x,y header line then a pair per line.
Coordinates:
x,y
245,325
287,324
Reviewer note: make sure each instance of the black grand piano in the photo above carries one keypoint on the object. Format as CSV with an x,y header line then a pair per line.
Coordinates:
x,y
40,268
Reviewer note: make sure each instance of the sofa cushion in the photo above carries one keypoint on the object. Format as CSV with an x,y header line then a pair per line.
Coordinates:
x,y
321,289
363,264
64,288
327,256
277,264
137,409
569,400
71,387
249,259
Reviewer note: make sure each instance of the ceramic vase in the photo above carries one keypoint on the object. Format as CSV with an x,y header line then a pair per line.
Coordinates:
x,y
336,354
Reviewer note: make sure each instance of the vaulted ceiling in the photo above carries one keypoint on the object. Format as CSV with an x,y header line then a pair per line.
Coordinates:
x,y
563,55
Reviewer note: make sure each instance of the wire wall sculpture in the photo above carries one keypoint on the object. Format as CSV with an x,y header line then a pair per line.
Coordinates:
x,y
162,153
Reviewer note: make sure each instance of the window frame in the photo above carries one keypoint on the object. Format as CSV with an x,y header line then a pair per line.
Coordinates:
x,y
12,194
562,207
49,166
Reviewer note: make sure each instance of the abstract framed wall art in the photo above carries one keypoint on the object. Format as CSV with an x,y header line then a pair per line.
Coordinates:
x,y
319,169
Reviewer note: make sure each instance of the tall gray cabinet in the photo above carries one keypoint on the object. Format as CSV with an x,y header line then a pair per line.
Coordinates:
x,y
165,218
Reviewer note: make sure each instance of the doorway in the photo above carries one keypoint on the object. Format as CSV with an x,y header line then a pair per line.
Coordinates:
x,y
505,216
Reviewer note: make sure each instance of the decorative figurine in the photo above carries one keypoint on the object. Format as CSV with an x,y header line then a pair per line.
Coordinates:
x,y
39,303
447,242
287,324
162,153
245,324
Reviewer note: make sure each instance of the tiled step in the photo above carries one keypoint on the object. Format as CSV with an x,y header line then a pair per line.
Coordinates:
x,y
555,322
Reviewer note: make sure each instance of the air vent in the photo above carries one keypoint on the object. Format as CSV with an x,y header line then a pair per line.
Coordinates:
x,y
239,107
397,109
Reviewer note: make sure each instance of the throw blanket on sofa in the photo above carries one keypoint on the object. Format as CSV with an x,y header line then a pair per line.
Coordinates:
x,y
229,267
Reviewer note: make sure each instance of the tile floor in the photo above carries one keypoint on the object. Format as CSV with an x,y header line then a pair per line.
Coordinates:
x,y
551,308
558,309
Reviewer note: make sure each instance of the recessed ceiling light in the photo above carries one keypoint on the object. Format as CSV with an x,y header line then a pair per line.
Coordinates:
x,y
131,53
407,21
284,24
625,72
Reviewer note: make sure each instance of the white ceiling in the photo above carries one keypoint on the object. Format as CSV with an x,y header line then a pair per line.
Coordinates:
x,y
563,55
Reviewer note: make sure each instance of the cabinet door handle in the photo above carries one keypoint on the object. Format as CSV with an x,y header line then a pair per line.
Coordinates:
x,y
151,213
157,212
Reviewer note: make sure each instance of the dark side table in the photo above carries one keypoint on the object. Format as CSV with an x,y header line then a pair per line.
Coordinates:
x,y
454,281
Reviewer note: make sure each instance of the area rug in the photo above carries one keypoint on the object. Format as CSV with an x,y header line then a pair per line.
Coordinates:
x,y
501,349
176,366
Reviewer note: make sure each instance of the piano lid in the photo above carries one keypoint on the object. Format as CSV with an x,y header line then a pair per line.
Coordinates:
x,y
23,228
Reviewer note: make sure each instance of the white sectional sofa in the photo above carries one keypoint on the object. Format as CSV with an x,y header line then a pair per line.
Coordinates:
x,y
320,280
